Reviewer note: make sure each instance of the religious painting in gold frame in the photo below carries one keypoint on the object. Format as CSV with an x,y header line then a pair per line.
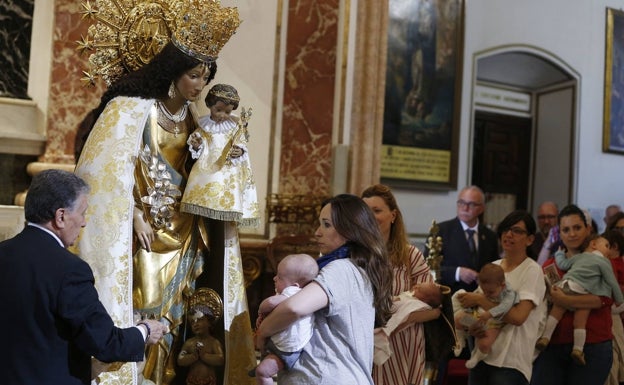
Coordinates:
x,y
613,124
423,94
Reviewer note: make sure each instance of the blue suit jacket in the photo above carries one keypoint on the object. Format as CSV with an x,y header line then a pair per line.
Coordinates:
x,y
455,252
53,320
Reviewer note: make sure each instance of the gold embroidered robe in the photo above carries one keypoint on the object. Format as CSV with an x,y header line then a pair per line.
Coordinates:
x,y
111,164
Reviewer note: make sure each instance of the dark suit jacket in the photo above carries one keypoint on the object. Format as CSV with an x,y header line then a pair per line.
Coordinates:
x,y
52,319
455,252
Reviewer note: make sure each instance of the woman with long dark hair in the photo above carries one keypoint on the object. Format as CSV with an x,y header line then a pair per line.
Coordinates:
x,y
407,363
350,296
554,365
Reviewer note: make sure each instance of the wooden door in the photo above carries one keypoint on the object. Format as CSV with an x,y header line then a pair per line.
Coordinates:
x,y
501,155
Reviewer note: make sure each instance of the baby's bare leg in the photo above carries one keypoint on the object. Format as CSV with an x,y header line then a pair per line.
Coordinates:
x,y
485,343
268,367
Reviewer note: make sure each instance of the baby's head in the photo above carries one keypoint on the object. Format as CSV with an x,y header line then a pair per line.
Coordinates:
x,y
616,241
428,292
491,280
295,270
222,99
598,243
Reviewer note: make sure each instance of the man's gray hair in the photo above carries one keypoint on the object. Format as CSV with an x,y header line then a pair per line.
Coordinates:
x,y
51,190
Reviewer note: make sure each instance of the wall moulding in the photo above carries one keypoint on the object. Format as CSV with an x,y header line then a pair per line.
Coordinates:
x,y
19,128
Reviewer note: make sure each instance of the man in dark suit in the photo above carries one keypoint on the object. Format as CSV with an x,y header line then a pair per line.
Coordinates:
x,y
467,245
53,321
546,219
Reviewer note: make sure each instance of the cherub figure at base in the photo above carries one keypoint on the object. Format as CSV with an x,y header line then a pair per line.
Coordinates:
x,y
202,352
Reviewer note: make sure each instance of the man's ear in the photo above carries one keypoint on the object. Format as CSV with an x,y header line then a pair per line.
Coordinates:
x,y
59,218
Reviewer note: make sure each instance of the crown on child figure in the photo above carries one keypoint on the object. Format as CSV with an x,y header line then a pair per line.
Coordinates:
x,y
127,35
224,91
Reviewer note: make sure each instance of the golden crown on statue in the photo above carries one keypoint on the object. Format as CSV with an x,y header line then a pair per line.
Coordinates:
x,y
127,35
203,27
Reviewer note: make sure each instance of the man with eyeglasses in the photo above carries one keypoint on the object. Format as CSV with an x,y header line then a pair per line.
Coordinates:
x,y
546,219
467,244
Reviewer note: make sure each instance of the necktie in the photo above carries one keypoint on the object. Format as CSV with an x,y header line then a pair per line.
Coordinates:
x,y
471,242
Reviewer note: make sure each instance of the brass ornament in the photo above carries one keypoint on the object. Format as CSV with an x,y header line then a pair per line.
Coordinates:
x,y
434,258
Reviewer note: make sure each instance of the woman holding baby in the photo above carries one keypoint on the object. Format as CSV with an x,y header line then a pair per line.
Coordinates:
x,y
511,357
407,363
350,297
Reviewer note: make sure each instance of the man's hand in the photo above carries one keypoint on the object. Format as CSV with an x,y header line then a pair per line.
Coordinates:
x,y
156,330
467,275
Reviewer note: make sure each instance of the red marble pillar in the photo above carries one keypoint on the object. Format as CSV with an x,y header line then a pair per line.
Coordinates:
x,y
69,100
310,77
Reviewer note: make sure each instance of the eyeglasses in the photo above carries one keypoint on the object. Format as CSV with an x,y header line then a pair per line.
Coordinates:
x,y
515,230
544,217
471,205
619,228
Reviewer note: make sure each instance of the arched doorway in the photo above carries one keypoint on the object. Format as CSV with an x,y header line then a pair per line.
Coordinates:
x,y
524,129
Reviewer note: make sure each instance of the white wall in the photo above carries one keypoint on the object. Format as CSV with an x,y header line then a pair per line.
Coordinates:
x,y
574,31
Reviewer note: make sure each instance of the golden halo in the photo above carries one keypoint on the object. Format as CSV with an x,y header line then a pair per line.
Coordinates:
x,y
127,34
207,301
124,37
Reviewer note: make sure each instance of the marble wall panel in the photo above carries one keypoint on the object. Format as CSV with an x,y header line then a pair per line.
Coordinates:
x,y
69,99
310,76
15,29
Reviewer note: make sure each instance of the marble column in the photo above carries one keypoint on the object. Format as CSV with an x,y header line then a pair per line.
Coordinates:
x,y
369,79
310,73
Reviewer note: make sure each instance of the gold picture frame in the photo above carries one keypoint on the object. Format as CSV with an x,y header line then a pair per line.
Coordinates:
x,y
613,122
423,94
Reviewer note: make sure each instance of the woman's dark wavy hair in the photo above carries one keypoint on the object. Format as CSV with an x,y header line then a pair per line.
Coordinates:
x,y
151,81
355,221
515,217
